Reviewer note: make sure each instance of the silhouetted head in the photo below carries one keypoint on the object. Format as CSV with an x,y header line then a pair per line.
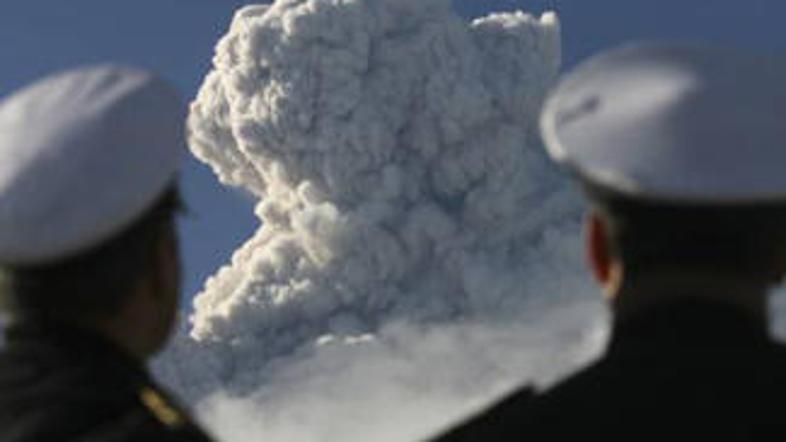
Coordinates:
x,y
88,165
680,149
675,250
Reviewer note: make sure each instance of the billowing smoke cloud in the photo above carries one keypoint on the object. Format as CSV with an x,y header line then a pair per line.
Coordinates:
x,y
417,253
395,154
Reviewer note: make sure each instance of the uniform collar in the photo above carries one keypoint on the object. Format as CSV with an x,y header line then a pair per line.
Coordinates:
x,y
688,323
74,342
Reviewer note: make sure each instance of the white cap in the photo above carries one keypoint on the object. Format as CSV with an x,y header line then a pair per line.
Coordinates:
x,y
675,124
82,155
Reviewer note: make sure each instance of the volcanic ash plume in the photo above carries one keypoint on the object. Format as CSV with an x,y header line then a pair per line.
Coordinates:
x,y
404,195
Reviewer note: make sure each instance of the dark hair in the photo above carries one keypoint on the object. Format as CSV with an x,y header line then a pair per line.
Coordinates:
x,y
94,282
744,239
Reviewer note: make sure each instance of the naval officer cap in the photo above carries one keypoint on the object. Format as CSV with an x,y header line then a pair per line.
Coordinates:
x,y
684,125
83,154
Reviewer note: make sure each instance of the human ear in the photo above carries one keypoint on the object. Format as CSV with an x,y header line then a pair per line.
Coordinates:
x,y
597,248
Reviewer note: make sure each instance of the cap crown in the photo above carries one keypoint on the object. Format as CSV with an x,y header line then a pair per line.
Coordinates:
x,y
82,154
680,124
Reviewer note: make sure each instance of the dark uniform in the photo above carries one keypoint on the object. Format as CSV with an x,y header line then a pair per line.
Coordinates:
x,y
684,371
59,383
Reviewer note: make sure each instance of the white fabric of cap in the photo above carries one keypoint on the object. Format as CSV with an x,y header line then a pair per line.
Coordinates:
x,y
674,123
83,154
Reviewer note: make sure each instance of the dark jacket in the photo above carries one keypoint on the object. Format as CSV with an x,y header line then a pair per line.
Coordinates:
x,y
62,384
689,371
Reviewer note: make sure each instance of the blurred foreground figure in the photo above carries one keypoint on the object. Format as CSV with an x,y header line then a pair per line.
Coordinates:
x,y
682,154
89,264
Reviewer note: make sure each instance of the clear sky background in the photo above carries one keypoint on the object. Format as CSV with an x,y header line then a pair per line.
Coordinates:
x,y
176,38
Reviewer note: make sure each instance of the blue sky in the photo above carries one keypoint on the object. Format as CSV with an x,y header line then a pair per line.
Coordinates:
x,y
176,38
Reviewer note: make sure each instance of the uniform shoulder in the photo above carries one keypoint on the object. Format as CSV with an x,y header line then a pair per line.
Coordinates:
x,y
519,412
152,416
495,423
73,386
585,381
149,416
91,416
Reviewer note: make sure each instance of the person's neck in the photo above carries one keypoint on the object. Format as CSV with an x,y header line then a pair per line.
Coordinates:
x,y
106,330
122,336
654,289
